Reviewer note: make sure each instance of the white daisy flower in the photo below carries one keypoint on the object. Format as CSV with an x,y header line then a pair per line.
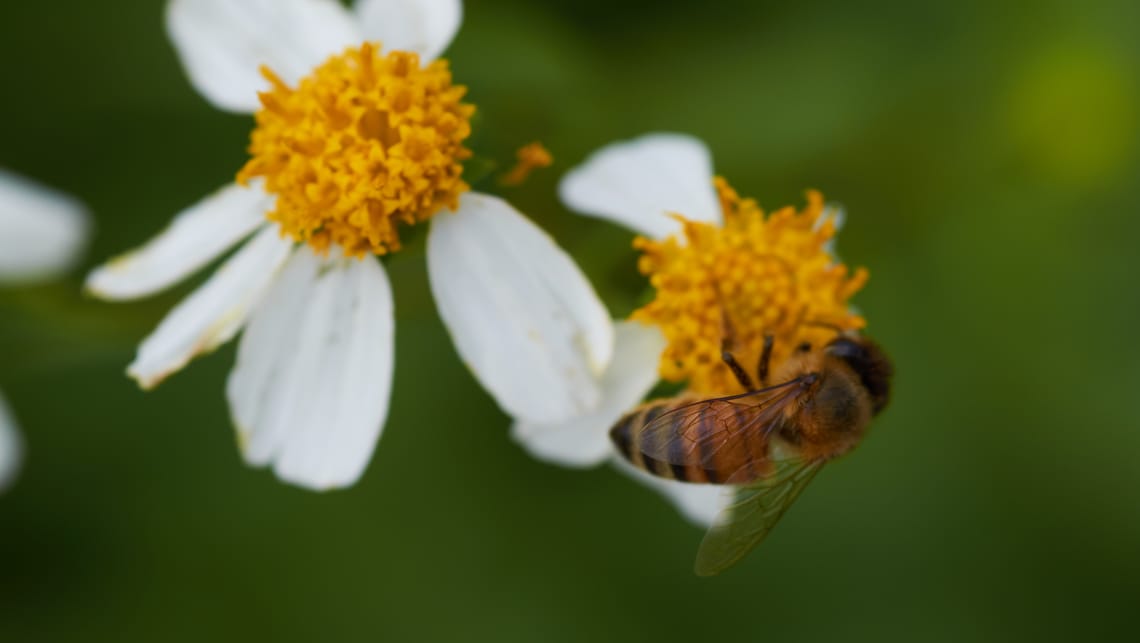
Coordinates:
x,y
42,233
698,239
359,134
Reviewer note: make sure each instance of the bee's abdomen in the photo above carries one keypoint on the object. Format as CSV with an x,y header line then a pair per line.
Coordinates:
x,y
628,433
684,463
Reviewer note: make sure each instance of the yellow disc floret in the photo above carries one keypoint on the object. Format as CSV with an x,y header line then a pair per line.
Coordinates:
x,y
529,158
365,143
756,275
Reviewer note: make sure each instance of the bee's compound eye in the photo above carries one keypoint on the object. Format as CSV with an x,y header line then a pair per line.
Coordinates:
x,y
847,349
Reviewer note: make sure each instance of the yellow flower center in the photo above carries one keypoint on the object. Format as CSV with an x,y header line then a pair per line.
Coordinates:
x,y
365,143
770,274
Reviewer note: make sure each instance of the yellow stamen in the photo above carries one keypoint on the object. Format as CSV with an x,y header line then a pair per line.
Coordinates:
x,y
363,144
770,275
530,157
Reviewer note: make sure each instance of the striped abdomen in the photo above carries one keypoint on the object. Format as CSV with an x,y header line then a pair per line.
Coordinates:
x,y
680,439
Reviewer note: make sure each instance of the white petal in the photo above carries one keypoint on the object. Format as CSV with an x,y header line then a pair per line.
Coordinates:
x,y
42,232
193,239
699,503
310,389
835,213
423,26
262,385
637,183
584,441
223,43
213,313
522,315
11,446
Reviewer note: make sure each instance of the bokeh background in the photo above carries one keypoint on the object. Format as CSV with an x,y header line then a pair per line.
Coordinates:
x,y
988,155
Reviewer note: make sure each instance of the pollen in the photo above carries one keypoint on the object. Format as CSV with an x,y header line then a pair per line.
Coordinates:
x,y
753,276
527,159
364,144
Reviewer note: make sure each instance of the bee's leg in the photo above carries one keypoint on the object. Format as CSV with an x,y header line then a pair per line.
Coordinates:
x,y
765,360
737,369
726,342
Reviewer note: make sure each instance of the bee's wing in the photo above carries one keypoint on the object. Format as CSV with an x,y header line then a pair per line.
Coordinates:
x,y
697,431
755,510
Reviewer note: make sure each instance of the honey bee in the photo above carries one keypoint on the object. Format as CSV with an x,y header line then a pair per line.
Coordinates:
x,y
765,444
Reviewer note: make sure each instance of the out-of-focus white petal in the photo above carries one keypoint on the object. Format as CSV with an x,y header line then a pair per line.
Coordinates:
x,y
42,231
522,315
584,441
637,183
11,446
194,238
423,26
699,503
835,213
309,393
213,313
223,43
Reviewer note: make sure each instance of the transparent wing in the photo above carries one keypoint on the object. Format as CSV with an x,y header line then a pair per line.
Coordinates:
x,y
756,509
698,431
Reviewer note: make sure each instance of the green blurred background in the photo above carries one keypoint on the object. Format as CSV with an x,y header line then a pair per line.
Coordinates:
x,y
988,157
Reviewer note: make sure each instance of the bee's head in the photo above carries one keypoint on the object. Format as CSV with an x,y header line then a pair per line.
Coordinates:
x,y
870,363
